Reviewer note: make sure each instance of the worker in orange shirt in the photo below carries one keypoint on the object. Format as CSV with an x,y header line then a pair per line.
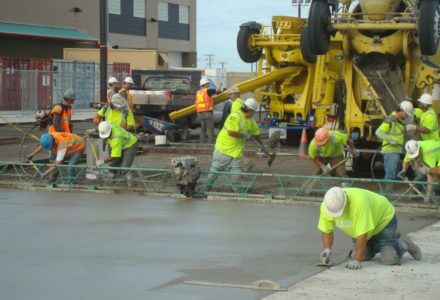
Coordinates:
x,y
205,108
125,92
62,145
61,114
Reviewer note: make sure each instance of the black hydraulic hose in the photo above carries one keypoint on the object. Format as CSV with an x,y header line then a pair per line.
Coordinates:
x,y
373,159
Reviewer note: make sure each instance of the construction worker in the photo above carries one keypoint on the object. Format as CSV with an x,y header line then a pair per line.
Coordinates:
x,y
368,218
392,134
62,145
123,145
229,147
328,147
234,95
427,119
116,113
426,158
112,86
61,113
125,92
205,107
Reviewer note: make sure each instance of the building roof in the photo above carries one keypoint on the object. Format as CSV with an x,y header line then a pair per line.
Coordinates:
x,y
29,30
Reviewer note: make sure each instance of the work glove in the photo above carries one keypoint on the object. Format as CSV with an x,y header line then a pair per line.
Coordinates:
x,y
393,142
99,162
410,127
402,173
247,135
30,157
325,169
325,256
353,265
42,176
355,153
423,169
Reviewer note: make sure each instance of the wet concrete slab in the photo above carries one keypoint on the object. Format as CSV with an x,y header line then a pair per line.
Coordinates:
x,y
57,245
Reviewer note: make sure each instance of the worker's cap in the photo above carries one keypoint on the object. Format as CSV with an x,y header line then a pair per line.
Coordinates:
x,y
412,148
335,200
112,80
46,141
425,99
251,103
321,136
204,81
233,89
104,129
69,94
118,101
128,80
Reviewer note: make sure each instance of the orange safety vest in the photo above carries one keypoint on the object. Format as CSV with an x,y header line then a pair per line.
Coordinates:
x,y
128,97
65,117
72,142
204,102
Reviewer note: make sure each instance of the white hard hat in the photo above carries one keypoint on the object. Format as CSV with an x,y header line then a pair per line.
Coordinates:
x,y
251,104
412,148
112,80
129,80
335,200
204,81
105,129
233,89
118,101
407,107
425,99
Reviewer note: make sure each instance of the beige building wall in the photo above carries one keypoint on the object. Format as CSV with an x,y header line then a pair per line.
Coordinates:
x,y
138,59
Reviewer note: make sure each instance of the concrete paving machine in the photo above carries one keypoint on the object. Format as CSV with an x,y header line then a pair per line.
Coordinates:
x,y
345,67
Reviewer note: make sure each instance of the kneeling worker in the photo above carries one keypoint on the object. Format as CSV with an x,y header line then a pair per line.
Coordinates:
x,y
328,147
62,145
123,145
370,219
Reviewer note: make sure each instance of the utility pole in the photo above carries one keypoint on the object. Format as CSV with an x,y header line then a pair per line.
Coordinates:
x,y
103,49
223,63
209,60
299,4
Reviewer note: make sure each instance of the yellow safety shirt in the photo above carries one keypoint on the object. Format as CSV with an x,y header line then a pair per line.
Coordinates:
x,y
119,140
365,212
117,117
430,151
429,120
333,148
237,122
392,129
237,104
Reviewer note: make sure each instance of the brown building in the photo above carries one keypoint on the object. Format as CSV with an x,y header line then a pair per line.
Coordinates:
x,y
163,25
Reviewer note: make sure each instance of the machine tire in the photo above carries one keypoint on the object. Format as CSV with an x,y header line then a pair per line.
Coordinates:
x,y
244,34
319,24
429,18
305,45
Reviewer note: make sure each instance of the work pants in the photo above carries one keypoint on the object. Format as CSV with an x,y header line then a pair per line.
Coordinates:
x,y
333,161
126,159
224,163
73,160
392,164
207,126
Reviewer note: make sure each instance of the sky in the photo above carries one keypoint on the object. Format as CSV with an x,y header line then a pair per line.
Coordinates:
x,y
218,23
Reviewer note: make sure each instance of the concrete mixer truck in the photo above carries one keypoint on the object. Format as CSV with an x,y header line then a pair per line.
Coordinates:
x,y
345,67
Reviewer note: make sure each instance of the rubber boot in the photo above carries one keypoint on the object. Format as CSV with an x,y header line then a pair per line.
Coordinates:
x,y
406,244
389,256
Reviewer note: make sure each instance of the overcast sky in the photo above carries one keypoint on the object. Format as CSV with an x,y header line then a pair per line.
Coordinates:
x,y
218,23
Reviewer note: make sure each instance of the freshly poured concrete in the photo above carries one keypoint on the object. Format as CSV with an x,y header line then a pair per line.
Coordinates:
x,y
91,246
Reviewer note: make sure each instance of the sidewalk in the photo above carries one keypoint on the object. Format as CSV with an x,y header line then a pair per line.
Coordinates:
x,y
16,117
411,280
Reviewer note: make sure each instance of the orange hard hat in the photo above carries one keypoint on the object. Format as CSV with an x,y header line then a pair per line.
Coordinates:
x,y
321,136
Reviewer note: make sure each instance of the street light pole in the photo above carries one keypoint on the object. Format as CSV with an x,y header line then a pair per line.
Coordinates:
x,y
103,49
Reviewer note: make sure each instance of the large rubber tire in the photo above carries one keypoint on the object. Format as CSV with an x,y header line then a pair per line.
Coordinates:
x,y
319,24
429,18
244,51
305,46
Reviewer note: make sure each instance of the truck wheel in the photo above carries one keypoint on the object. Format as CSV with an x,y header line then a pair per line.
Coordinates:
x,y
246,53
306,50
429,19
319,24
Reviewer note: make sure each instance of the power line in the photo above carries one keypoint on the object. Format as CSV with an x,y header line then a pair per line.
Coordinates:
x,y
209,60
223,63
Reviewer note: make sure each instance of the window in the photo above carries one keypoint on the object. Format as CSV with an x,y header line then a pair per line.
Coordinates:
x,y
114,7
139,8
163,11
183,14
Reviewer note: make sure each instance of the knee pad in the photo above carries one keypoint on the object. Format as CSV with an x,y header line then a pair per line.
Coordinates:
x,y
389,256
